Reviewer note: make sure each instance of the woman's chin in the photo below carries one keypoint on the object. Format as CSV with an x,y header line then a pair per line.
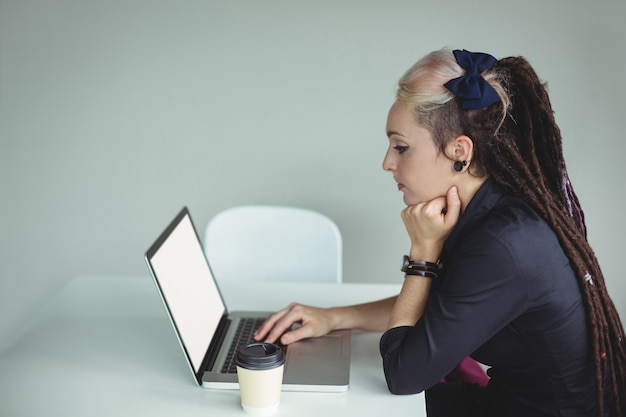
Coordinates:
x,y
410,200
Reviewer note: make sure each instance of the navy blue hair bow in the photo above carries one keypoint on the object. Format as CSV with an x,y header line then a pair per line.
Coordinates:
x,y
471,88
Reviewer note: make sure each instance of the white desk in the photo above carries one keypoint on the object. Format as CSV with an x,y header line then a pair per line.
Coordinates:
x,y
104,347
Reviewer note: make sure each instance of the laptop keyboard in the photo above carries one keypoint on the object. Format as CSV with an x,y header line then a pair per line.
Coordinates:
x,y
243,336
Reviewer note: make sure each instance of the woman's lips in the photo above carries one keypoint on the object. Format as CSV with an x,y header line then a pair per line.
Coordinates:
x,y
400,185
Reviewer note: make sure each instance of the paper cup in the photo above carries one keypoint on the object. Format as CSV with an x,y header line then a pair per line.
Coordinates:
x,y
260,373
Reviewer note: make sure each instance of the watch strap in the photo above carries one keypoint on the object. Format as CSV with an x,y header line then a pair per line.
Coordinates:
x,y
419,267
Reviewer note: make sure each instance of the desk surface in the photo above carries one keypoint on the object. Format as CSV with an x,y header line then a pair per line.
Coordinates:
x,y
104,347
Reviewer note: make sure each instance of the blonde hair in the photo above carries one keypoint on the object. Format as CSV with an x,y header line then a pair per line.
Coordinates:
x,y
422,89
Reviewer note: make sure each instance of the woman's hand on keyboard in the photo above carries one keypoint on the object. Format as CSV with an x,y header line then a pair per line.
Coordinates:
x,y
314,322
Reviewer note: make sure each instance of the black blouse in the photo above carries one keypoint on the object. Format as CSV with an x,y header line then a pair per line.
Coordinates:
x,y
506,296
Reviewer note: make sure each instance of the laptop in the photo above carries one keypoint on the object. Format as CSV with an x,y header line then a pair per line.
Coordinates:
x,y
206,329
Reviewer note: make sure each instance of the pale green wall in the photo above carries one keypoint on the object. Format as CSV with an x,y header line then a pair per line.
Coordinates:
x,y
114,114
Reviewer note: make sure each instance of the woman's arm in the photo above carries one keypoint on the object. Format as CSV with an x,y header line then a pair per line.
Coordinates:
x,y
411,302
428,225
373,316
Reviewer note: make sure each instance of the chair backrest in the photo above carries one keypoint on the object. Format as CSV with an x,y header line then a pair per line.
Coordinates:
x,y
274,243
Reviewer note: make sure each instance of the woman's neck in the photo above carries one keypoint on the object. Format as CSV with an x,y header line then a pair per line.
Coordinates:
x,y
469,187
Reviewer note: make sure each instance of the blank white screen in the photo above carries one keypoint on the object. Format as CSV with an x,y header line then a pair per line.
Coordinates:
x,y
189,290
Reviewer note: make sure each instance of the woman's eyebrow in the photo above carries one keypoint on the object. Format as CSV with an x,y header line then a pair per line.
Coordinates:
x,y
393,132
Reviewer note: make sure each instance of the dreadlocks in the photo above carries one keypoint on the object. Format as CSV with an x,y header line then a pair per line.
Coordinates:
x,y
518,144
524,155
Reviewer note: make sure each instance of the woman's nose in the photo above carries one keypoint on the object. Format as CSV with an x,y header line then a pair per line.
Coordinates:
x,y
389,163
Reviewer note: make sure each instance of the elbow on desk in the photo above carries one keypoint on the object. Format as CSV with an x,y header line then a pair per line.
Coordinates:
x,y
403,391
400,382
401,378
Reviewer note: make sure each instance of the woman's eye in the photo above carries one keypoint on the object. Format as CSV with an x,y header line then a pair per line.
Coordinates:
x,y
400,148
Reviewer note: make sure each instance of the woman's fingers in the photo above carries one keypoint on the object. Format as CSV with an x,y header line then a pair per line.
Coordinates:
x,y
276,326
429,224
273,326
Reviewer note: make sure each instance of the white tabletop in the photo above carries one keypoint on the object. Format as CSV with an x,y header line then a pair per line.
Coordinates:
x,y
104,347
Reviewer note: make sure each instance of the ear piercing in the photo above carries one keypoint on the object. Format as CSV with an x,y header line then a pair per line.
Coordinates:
x,y
458,165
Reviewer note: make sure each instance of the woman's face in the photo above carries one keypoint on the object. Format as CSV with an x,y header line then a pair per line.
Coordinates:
x,y
420,169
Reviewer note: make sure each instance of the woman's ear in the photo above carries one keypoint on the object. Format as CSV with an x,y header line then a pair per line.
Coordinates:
x,y
461,148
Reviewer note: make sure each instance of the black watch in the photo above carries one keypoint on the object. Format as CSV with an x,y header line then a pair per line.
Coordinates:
x,y
413,267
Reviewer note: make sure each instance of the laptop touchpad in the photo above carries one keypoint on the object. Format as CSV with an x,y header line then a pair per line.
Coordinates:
x,y
328,346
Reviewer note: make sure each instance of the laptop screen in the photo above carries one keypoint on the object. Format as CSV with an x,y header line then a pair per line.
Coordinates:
x,y
187,287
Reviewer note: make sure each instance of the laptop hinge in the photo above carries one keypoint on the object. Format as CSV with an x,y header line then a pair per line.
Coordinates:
x,y
211,354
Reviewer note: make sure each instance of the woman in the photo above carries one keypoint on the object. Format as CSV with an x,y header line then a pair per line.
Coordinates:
x,y
499,266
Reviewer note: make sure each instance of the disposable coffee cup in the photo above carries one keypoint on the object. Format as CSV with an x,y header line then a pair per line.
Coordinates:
x,y
260,373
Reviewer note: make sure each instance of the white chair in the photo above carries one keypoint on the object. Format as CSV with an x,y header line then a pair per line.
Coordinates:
x,y
273,243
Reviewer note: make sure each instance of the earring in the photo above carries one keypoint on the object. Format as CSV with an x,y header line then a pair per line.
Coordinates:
x,y
458,165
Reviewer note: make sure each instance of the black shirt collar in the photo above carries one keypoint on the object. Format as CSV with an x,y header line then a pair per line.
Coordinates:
x,y
479,206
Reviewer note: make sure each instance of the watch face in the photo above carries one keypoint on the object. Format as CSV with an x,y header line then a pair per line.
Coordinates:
x,y
405,263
